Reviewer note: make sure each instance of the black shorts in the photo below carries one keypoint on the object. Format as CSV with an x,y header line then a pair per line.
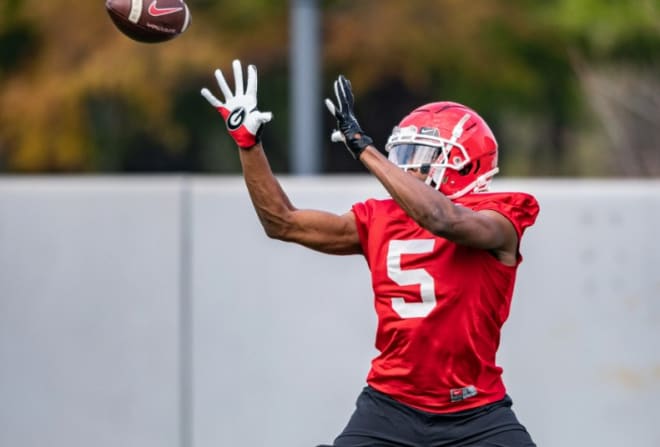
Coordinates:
x,y
379,420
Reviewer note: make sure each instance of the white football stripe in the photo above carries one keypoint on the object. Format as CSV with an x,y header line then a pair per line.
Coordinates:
x,y
136,11
187,21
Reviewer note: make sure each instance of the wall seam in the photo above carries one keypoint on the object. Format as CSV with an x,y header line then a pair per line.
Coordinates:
x,y
186,389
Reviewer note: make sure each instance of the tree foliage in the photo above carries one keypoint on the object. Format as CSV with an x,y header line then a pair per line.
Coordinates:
x,y
553,79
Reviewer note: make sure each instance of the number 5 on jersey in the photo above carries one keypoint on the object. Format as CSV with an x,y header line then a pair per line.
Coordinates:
x,y
411,277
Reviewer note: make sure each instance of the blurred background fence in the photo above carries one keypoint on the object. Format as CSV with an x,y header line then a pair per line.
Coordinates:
x,y
155,312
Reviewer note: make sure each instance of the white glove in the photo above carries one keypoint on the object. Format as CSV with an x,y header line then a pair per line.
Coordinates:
x,y
244,122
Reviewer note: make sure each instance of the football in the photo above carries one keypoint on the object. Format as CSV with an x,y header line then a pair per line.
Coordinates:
x,y
149,21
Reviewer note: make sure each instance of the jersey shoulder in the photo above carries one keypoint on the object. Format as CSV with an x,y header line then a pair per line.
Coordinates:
x,y
520,208
365,211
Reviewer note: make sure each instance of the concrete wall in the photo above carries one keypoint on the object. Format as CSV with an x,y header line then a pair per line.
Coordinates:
x,y
155,312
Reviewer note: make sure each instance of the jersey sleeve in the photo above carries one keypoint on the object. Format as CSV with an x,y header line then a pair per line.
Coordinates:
x,y
363,213
520,208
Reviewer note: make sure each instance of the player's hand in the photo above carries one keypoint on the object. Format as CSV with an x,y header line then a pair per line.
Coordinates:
x,y
244,122
349,131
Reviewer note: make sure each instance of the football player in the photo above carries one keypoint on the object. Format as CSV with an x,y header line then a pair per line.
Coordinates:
x,y
443,254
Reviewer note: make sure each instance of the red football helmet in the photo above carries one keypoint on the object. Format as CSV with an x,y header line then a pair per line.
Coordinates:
x,y
451,143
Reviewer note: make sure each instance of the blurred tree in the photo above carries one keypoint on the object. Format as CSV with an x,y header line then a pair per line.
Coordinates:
x,y
614,49
79,96
510,60
559,81
488,55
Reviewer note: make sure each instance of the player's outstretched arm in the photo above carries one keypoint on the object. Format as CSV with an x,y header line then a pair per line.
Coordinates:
x,y
319,230
428,207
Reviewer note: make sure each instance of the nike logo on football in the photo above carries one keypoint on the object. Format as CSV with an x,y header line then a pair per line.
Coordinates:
x,y
155,11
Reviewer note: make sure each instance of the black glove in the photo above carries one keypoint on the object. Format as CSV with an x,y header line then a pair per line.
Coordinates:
x,y
349,131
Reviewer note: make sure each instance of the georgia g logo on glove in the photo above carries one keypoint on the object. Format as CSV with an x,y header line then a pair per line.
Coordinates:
x,y
244,122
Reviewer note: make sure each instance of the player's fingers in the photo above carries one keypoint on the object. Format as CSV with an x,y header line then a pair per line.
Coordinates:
x,y
264,117
338,95
337,137
226,91
346,91
341,96
331,107
251,81
238,77
210,98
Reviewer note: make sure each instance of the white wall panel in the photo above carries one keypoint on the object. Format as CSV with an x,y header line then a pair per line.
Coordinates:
x,y
155,311
89,312
283,335
581,351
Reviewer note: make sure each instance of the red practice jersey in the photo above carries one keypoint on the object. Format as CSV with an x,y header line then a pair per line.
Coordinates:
x,y
440,305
